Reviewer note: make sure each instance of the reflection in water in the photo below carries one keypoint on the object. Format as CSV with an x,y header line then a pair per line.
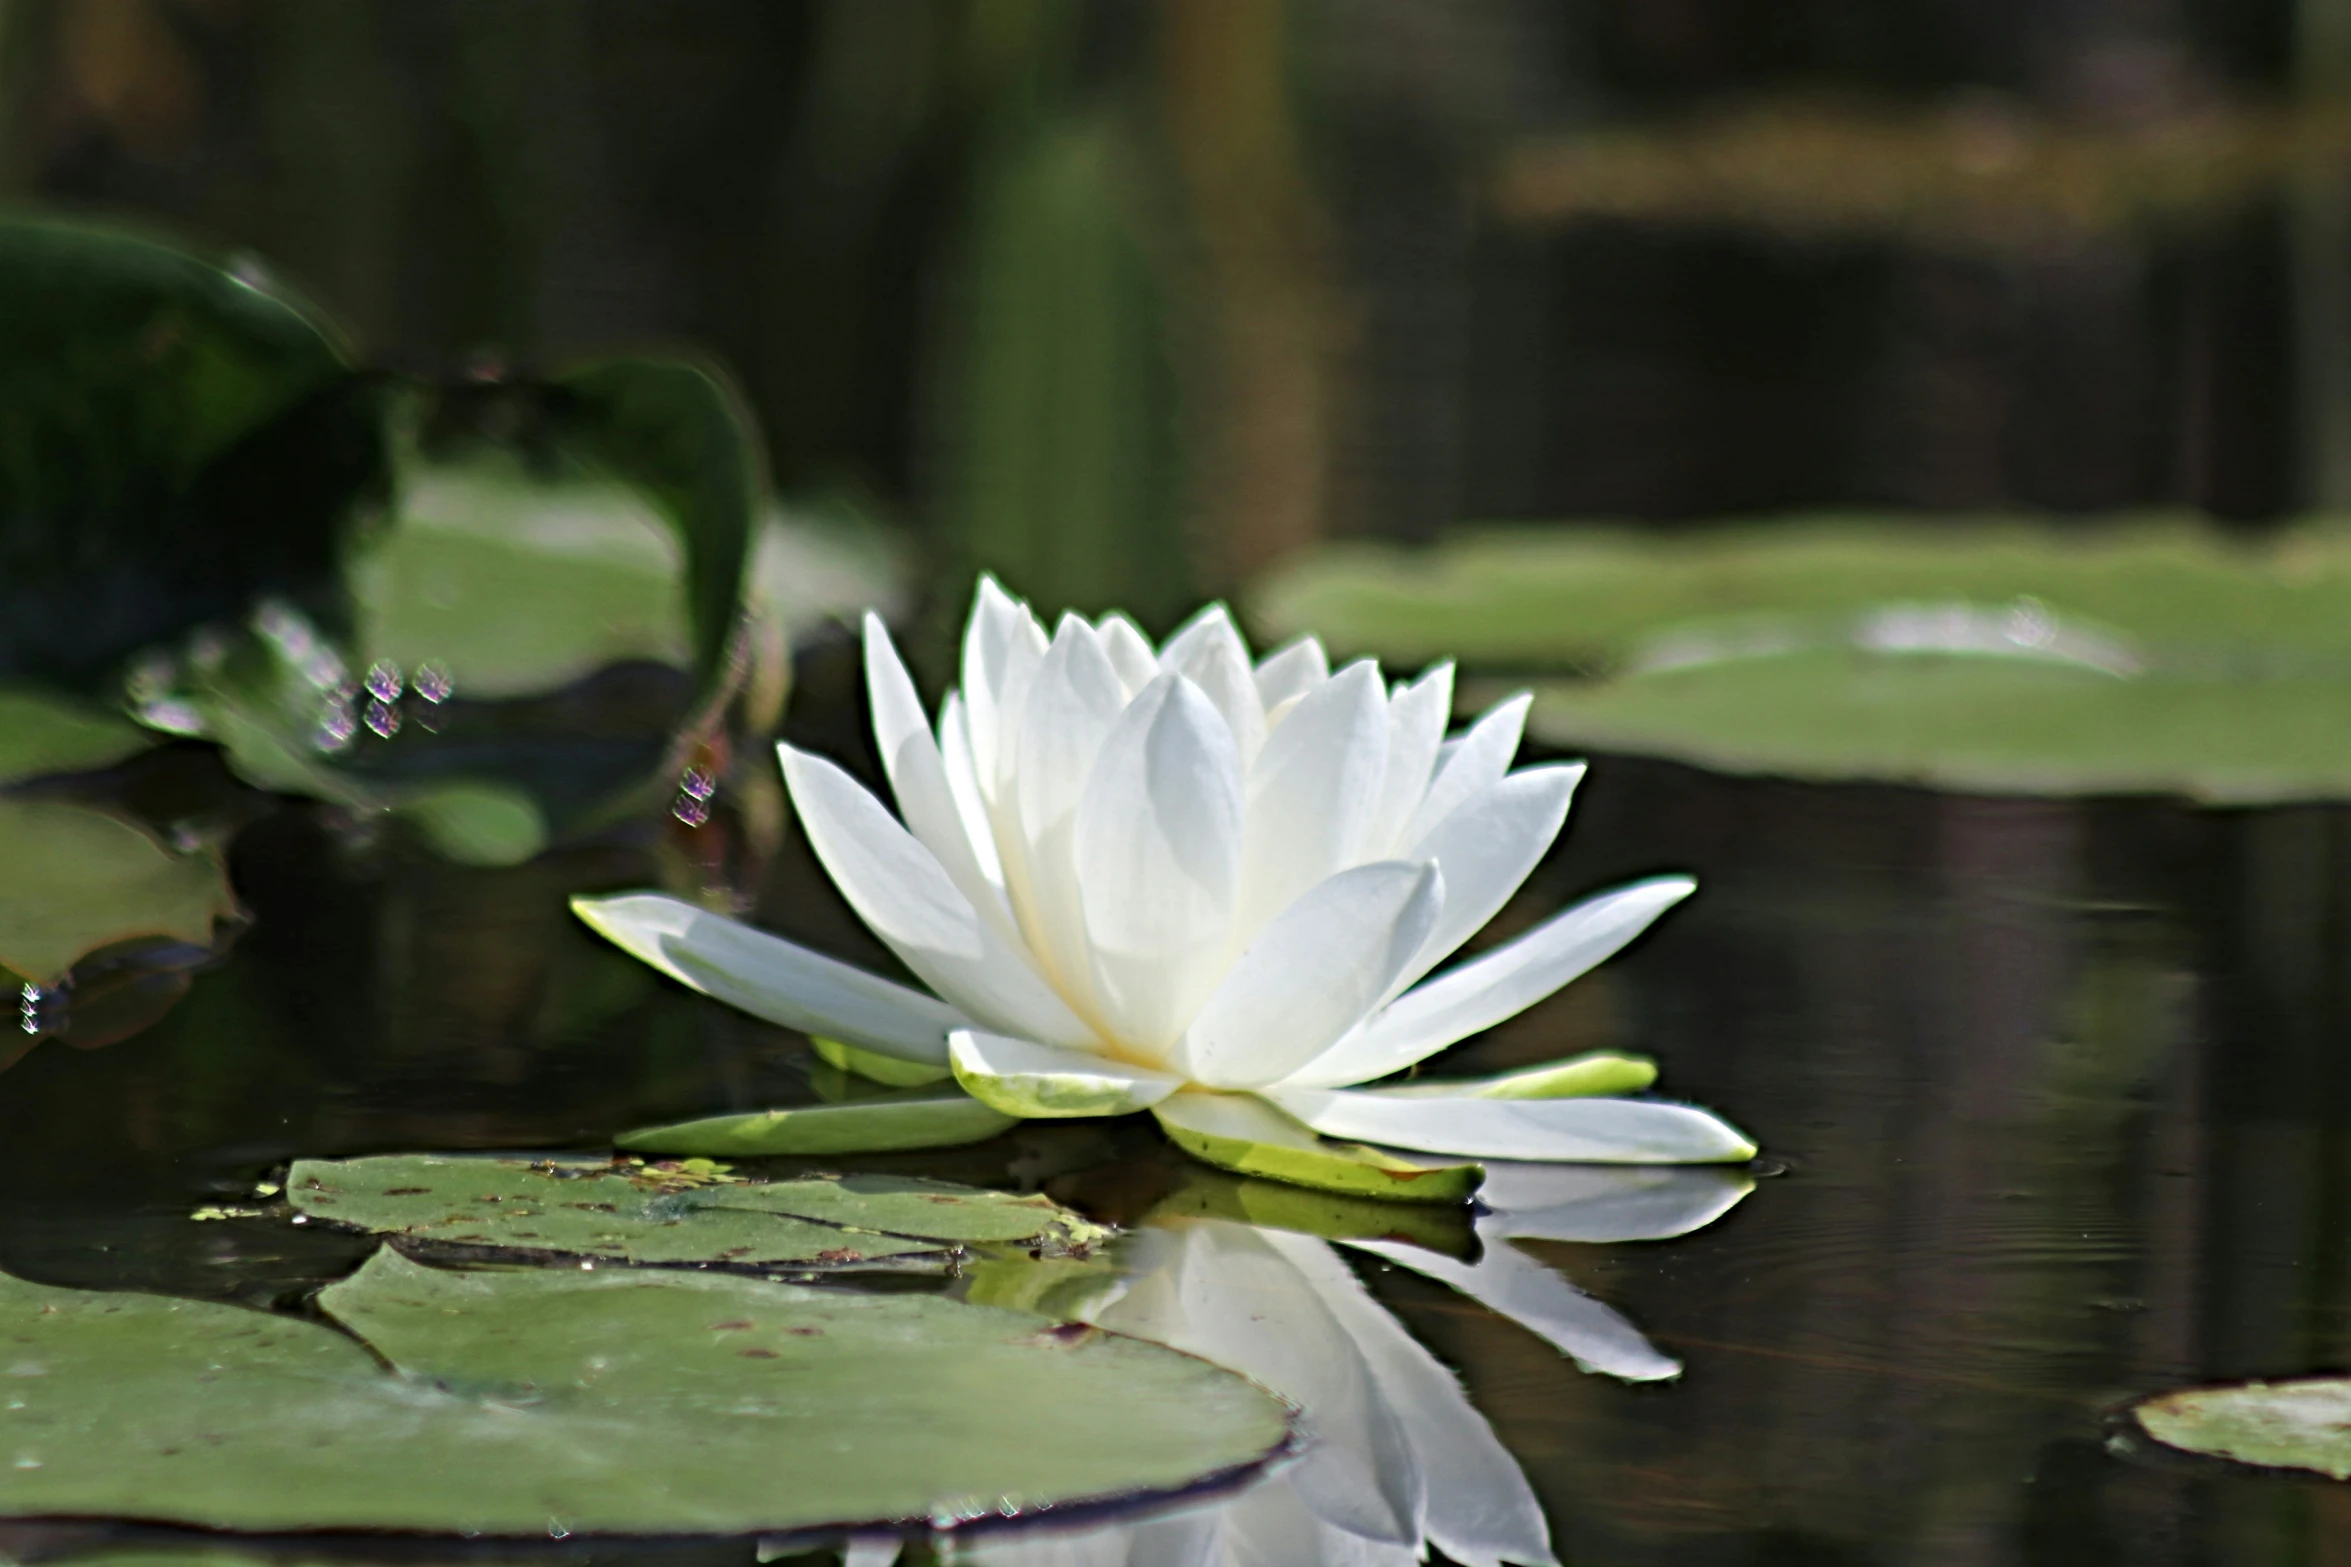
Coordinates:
x,y
1397,1459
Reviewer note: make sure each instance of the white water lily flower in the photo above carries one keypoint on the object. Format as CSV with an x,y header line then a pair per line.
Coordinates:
x,y
1181,881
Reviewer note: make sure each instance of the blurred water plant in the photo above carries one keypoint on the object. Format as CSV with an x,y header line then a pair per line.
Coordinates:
x,y
1173,880
1983,654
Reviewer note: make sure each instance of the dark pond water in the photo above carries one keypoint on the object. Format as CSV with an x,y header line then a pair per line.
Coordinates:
x,y
2054,1093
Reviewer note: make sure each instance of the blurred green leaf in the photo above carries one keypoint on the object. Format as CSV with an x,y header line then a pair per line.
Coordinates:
x,y
80,879
176,439
44,733
612,1401
2146,656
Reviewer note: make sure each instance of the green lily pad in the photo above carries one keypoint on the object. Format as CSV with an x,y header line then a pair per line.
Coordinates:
x,y
80,879
537,1402
41,733
1244,1134
2302,1424
884,1123
698,1213
2146,656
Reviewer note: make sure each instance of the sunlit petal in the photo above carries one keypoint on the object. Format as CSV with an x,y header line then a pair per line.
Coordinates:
x,y
1595,1131
772,978
899,890
1471,765
1310,974
1130,652
1496,985
1292,672
1417,715
1487,847
1210,653
1312,793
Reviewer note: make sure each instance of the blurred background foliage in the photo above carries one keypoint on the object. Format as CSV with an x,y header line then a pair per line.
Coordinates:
x,y
1129,301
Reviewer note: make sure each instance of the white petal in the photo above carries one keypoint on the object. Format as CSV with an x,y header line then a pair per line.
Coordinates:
x,y
1497,985
1130,652
1487,848
1312,794
772,978
963,782
878,1550
1605,1203
1248,1306
918,776
1072,704
1159,861
1477,1505
899,890
1292,672
988,641
1210,653
1023,1078
1531,1295
1591,1131
1471,765
1417,716
1311,975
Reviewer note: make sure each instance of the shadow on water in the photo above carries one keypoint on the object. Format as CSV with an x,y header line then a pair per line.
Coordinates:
x,y
2055,1090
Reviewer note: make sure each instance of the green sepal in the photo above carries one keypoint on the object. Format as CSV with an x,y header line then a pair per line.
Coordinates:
x,y
889,1071
1596,1073
1244,1134
884,1124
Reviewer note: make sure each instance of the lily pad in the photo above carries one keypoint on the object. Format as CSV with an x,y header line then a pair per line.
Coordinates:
x,y
2000,656
41,733
2302,1424
80,879
537,1402
697,1213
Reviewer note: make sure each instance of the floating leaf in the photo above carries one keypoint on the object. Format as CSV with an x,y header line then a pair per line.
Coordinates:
x,y
2149,656
884,1123
2302,1424
530,1402
51,734
80,879
634,1212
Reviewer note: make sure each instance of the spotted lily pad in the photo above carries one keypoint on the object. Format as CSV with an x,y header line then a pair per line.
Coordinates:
x,y
632,1402
2302,1424
694,1212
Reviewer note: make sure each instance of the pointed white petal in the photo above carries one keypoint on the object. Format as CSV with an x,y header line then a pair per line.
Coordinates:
x,y
1071,706
1247,1306
898,889
772,978
1487,848
1531,1295
918,776
999,697
1590,1131
1471,765
1159,861
1605,1203
1130,652
1312,793
988,638
1311,975
1478,1507
1417,716
1500,984
963,783
1210,653
1292,672
1023,1078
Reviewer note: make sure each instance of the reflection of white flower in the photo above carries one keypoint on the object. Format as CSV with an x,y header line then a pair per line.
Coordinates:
x,y
1175,880
1398,1459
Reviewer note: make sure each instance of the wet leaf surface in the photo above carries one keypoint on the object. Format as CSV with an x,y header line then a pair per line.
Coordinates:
x,y
673,1212
2302,1424
613,1401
